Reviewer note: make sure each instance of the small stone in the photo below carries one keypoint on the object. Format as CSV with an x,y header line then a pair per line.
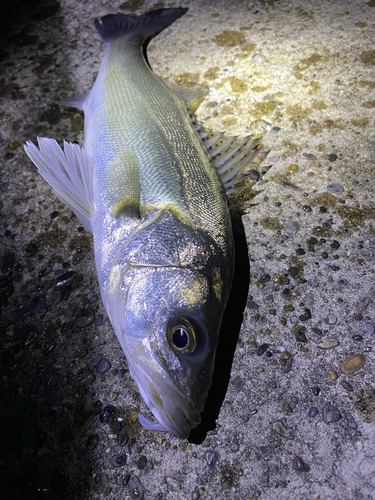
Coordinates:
x,y
142,462
315,390
94,362
118,460
357,338
99,320
108,412
299,465
63,279
335,188
136,489
368,329
332,157
290,227
292,169
86,378
258,58
134,416
352,424
195,495
234,447
333,375
353,363
124,440
293,271
85,320
283,430
335,245
331,413
173,484
348,387
103,366
328,343
211,458
262,349
332,319
53,381
313,411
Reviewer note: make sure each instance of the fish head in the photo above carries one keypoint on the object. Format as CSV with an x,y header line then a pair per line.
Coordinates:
x,y
169,332
165,302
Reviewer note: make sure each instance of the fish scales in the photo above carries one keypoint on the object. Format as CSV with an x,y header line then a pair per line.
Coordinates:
x,y
147,188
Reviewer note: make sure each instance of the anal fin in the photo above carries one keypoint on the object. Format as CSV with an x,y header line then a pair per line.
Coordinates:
x,y
69,173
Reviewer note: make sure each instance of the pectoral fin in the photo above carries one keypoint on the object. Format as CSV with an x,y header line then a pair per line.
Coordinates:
x,y
121,186
69,172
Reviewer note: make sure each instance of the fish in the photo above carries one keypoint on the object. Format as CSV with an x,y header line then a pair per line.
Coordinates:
x,y
152,186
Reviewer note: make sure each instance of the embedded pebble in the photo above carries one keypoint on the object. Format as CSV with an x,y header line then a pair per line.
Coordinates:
x,y
313,412
53,381
315,390
85,320
136,489
173,484
352,424
63,279
99,320
368,329
330,413
86,378
332,319
31,308
290,227
108,411
335,188
299,465
258,58
118,460
357,338
94,362
195,495
103,365
142,462
124,440
328,343
333,375
262,349
211,458
347,386
283,430
275,159
332,157
353,363
234,447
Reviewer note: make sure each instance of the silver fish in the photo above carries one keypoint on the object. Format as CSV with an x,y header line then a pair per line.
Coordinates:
x,y
154,198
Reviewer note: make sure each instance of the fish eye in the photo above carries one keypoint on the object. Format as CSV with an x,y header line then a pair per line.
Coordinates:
x,y
182,337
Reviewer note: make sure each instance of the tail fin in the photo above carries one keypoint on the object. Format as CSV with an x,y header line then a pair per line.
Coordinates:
x,y
116,25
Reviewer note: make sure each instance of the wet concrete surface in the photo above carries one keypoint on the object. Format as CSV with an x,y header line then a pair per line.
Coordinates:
x,y
294,391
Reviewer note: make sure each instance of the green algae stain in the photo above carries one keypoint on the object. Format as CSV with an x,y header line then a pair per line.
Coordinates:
x,y
360,122
356,216
238,85
229,39
368,104
368,57
211,73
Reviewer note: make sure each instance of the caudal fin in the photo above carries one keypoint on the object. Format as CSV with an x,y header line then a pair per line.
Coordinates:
x,y
116,25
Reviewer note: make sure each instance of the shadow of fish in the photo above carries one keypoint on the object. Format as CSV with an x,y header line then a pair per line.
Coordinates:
x,y
150,184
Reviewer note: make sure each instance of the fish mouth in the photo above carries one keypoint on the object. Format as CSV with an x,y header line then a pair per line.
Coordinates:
x,y
169,404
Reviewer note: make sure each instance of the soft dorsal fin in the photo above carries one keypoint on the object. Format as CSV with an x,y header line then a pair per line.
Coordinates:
x,y
230,156
69,172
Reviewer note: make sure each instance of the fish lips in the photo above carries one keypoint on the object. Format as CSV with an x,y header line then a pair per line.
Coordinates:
x,y
169,404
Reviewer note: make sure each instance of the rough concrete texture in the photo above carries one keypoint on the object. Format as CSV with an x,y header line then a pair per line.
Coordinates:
x,y
302,74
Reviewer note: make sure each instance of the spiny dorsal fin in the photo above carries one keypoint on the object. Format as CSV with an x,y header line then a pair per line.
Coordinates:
x,y
69,172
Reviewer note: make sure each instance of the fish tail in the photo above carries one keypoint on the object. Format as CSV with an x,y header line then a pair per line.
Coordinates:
x,y
116,25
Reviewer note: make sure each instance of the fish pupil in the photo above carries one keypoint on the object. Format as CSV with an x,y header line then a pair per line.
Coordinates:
x,y
180,338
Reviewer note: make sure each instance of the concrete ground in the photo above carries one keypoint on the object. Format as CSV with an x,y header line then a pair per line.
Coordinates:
x,y
294,417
